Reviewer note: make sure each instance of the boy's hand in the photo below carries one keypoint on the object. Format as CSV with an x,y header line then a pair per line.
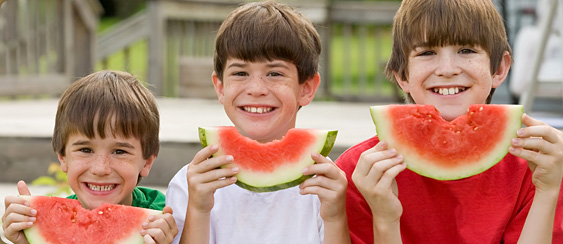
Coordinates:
x,y
542,146
329,184
374,176
205,176
18,216
160,229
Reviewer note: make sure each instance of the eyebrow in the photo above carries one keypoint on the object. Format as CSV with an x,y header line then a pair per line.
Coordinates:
x,y
271,65
119,144
80,143
237,65
277,64
125,144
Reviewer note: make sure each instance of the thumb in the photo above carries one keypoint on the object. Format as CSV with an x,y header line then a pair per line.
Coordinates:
x,y
167,209
22,188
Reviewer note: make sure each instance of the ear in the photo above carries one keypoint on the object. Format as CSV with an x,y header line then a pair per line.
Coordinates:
x,y
404,84
309,89
502,70
218,85
147,166
64,166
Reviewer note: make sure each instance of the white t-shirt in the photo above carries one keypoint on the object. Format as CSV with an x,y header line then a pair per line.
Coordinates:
x,y
242,216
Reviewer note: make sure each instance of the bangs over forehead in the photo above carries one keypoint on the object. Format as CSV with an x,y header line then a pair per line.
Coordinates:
x,y
447,22
265,31
438,23
98,106
108,101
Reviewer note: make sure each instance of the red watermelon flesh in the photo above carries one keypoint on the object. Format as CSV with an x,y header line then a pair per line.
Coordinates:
x,y
269,166
436,148
265,157
65,221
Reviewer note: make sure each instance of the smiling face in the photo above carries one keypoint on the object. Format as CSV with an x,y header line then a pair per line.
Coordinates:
x,y
262,98
448,53
103,170
451,77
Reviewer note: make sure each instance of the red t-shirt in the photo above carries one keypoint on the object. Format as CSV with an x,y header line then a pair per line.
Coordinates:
x,y
490,207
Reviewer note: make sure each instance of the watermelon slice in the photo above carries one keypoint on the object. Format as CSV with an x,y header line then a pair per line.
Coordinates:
x,y
435,148
65,221
270,166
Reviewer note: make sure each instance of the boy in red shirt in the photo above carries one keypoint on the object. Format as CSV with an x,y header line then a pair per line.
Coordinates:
x,y
462,45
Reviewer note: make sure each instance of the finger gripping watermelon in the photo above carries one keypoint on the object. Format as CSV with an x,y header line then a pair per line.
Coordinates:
x,y
269,166
436,148
65,221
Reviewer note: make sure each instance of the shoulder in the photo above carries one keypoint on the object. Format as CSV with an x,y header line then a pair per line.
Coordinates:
x,y
348,160
179,183
177,191
145,197
180,177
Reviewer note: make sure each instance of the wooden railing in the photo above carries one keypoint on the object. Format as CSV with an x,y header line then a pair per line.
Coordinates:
x,y
178,37
45,44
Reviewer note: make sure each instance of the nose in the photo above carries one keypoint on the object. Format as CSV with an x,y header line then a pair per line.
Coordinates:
x,y
257,86
101,165
448,65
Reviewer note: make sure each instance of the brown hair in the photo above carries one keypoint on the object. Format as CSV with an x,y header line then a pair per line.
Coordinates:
x,y
436,23
261,31
108,98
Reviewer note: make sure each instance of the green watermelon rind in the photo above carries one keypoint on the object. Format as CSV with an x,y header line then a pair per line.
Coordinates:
x,y
274,187
34,236
424,168
328,143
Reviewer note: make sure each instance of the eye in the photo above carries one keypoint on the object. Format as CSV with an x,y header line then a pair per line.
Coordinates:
x,y
119,151
275,74
467,51
85,150
239,73
426,53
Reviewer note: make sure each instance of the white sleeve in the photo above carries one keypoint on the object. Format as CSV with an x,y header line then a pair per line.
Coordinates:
x,y
177,199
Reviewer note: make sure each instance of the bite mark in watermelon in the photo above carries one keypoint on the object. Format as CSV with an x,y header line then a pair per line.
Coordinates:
x,y
436,148
271,166
65,221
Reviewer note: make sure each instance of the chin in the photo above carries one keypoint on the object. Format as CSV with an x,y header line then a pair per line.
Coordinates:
x,y
92,204
450,113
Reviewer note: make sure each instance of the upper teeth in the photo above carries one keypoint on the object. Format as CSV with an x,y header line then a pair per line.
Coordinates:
x,y
100,188
449,91
257,109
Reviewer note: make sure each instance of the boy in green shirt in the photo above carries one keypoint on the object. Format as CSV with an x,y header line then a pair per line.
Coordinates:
x,y
106,139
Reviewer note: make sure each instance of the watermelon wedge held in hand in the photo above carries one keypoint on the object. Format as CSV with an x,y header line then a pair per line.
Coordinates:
x,y
435,148
269,166
65,221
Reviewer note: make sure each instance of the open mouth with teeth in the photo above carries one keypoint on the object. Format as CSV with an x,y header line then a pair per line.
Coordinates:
x,y
100,187
257,110
448,90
